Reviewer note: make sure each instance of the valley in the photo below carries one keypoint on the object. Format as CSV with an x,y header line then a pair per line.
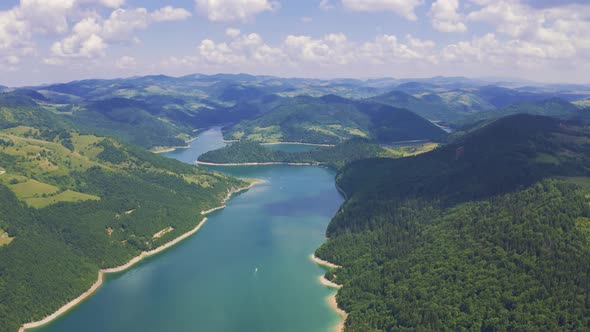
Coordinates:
x,y
425,209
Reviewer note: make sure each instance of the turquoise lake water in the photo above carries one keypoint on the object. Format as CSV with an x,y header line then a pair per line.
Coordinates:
x,y
247,269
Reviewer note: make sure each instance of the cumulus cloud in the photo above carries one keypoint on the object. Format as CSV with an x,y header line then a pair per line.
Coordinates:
x,y
332,49
326,5
404,8
126,62
47,15
170,13
445,16
243,49
91,36
234,10
14,35
85,41
231,32
302,51
510,17
550,33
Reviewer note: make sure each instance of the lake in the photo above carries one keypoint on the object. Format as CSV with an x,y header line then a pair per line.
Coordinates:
x,y
247,269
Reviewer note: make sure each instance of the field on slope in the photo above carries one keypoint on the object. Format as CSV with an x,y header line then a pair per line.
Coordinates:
x,y
71,204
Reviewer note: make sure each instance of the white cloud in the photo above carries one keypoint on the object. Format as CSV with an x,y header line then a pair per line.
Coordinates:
x,y
404,8
112,3
301,51
445,16
233,33
332,49
386,54
122,24
234,10
126,62
106,3
14,35
559,33
91,36
508,16
387,50
170,13
326,5
243,49
46,15
21,23
84,42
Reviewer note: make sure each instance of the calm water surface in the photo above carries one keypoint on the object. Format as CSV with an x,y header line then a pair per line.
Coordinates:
x,y
248,269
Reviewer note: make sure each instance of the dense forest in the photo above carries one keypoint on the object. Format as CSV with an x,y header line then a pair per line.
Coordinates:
x,y
330,120
335,156
74,203
487,233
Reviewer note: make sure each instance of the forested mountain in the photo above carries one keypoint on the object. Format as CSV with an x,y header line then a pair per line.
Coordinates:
x,y
451,106
554,107
335,156
331,119
71,204
443,107
158,110
487,233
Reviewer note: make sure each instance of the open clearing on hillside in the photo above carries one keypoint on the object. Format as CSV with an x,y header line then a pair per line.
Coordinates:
x,y
66,196
38,194
33,188
4,238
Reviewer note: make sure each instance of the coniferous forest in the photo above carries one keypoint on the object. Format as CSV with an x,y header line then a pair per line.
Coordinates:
x,y
73,204
487,233
484,228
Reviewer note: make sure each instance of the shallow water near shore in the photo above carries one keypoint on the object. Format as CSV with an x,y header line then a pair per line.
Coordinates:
x,y
247,269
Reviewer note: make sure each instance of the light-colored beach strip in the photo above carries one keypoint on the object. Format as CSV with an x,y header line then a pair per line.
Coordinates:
x,y
332,298
298,143
322,262
170,149
256,164
334,305
129,264
173,148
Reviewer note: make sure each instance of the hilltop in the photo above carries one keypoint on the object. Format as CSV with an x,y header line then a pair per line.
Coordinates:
x,y
72,204
489,232
336,157
331,120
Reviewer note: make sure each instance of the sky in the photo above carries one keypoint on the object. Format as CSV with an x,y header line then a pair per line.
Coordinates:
x,y
48,41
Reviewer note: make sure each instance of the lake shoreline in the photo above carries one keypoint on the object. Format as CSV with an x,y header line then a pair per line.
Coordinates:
x,y
70,305
173,148
332,298
256,164
299,143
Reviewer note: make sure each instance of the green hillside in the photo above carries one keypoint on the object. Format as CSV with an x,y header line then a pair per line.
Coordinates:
x,y
71,204
488,233
554,107
335,157
330,120
442,106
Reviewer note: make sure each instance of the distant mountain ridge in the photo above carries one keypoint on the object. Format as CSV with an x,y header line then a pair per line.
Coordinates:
x,y
167,109
331,119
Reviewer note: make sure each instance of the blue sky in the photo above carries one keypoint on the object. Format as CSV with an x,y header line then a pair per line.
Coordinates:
x,y
46,41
